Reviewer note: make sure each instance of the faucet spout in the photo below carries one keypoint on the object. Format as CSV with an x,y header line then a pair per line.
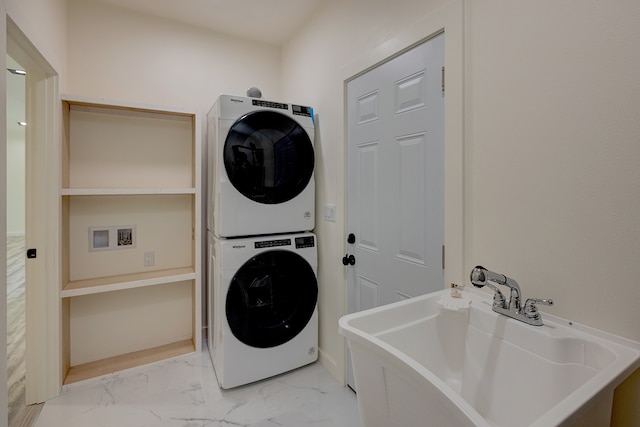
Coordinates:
x,y
514,300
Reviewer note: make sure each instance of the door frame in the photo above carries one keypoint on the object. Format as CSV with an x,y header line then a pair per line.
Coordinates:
x,y
449,19
43,138
4,410
429,53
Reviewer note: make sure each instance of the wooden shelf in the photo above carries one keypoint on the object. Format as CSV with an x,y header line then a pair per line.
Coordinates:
x,y
109,104
129,360
123,191
127,281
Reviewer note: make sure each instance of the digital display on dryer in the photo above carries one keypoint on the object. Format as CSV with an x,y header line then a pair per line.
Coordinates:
x,y
301,110
305,242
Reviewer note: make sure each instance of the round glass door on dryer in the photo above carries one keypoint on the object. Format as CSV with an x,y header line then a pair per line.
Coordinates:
x,y
262,163
265,318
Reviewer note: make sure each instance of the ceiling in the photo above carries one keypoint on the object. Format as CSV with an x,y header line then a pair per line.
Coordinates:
x,y
270,21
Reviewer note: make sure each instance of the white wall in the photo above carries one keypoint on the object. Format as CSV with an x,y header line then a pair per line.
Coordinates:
x,y
552,147
553,137
15,186
121,55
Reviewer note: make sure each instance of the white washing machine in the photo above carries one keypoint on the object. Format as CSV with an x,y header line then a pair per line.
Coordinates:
x,y
263,316
260,164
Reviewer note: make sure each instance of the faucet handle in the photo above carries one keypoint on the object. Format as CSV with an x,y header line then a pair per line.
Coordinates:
x,y
499,300
531,309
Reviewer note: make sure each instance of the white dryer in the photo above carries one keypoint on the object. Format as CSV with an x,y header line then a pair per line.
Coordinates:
x,y
261,162
263,317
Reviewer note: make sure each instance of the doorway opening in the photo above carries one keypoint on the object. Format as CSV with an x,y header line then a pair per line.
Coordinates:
x,y
16,173
395,123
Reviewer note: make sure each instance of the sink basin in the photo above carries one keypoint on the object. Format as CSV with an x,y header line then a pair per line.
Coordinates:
x,y
435,360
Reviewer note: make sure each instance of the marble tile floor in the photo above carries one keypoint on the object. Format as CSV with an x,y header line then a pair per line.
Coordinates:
x,y
15,326
20,415
184,392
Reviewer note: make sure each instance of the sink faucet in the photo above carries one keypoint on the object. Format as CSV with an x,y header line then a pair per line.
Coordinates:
x,y
529,314
480,277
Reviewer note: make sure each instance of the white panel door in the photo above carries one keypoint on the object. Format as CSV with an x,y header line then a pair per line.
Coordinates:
x,y
396,178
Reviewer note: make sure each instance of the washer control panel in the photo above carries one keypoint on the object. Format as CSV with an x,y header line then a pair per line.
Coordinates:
x,y
301,242
272,243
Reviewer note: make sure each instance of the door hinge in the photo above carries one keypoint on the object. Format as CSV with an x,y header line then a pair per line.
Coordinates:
x,y
32,253
443,79
443,257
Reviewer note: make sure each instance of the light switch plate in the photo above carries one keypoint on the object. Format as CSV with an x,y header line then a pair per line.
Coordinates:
x,y
330,212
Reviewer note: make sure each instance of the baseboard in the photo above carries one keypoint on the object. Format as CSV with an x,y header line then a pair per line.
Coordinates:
x,y
330,364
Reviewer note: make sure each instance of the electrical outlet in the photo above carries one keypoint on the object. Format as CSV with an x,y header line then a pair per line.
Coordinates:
x,y
149,259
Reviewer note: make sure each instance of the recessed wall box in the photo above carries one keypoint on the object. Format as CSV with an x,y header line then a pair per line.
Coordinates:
x,y
125,236
112,237
98,238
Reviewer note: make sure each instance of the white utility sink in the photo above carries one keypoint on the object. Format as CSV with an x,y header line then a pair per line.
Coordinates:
x,y
435,360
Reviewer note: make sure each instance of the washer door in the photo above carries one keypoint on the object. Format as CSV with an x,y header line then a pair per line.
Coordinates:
x,y
271,298
268,157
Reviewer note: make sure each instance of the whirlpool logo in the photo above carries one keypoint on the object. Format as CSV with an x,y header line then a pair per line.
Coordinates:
x,y
236,100
239,246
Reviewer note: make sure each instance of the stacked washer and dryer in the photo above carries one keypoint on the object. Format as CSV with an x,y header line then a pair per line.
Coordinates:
x,y
262,257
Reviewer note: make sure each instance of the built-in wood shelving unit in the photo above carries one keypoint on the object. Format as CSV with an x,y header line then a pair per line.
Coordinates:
x,y
131,168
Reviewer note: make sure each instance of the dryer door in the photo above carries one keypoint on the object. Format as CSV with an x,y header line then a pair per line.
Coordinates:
x,y
271,298
268,157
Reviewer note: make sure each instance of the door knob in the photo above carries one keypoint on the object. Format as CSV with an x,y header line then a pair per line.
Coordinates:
x,y
348,260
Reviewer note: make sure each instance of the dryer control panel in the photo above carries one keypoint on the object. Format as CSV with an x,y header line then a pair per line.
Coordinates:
x,y
297,110
305,242
269,104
